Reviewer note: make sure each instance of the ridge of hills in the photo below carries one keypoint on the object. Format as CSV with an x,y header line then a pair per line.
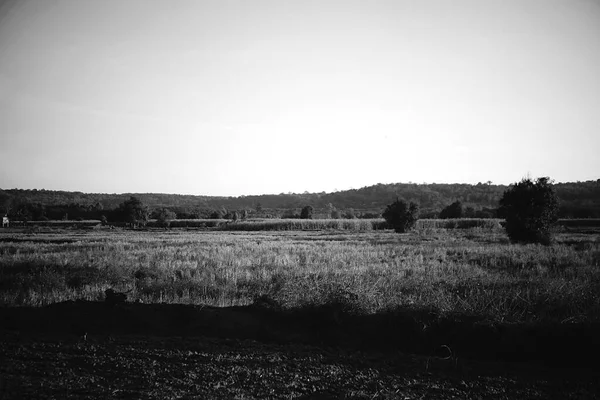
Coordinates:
x,y
577,199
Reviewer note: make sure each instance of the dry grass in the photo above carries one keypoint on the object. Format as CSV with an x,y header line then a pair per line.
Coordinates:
x,y
473,270
305,224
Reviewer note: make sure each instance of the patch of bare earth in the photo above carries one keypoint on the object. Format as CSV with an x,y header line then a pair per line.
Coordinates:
x,y
88,350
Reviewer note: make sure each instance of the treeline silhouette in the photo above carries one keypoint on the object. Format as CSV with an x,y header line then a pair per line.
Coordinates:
x,y
577,200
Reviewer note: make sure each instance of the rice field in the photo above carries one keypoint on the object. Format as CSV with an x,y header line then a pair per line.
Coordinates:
x,y
472,270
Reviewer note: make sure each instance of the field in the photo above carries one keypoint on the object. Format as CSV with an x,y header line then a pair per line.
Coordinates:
x,y
459,294
473,271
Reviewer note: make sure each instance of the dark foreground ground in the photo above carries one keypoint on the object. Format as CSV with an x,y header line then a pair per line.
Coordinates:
x,y
134,351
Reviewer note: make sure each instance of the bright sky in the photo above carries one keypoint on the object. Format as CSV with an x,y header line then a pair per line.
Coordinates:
x,y
248,97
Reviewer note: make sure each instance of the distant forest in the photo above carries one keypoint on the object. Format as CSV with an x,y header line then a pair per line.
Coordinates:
x,y
577,200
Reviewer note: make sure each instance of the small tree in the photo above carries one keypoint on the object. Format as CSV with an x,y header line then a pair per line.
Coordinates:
x,y
530,209
306,213
164,216
401,216
454,210
134,212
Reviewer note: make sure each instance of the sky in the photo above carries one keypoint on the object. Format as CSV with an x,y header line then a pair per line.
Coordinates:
x,y
248,97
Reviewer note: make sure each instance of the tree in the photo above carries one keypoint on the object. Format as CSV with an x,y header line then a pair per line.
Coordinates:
x,y
530,209
306,213
164,216
134,212
454,210
401,216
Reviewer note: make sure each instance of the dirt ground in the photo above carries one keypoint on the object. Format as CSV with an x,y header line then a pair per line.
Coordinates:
x,y
86,350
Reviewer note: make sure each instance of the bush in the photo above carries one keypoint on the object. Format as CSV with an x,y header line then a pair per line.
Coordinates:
x,y
530,209
401,216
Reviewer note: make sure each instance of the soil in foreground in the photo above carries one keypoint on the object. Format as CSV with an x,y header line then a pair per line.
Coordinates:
x,y
135,351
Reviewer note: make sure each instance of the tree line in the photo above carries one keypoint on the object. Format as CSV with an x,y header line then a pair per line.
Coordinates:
x,y
576,200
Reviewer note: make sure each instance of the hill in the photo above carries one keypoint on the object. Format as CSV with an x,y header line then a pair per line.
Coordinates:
x,y
577,199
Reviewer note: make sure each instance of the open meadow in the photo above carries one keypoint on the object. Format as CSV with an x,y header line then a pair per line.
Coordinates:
x,y
474,271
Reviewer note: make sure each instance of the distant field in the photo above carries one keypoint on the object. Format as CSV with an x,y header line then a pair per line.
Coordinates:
x,y
475,270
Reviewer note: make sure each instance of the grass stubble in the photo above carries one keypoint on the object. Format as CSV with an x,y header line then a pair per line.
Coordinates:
x,y
473,271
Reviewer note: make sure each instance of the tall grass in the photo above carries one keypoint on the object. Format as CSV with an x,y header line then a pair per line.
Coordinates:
x,y
305,224
459,223
470,270
354,224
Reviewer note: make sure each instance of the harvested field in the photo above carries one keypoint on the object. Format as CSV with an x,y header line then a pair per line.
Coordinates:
x,y
435,313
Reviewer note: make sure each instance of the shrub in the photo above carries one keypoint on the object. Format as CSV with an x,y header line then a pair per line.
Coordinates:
x,y
530,209
401,216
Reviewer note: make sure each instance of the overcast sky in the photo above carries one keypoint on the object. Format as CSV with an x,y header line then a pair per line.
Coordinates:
x,y
249,97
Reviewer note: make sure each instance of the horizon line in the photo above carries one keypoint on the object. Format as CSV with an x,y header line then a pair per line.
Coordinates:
x,y
490,183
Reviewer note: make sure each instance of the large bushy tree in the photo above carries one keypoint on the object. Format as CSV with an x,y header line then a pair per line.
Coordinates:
x,y
401,215
530,209
134,212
